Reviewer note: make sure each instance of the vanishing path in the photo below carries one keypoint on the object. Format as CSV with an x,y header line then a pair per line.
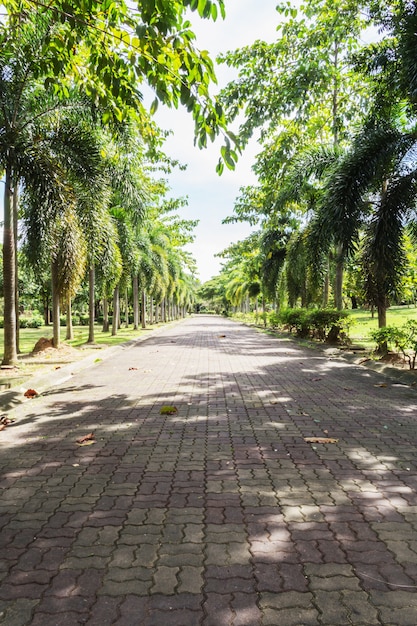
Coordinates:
x,y
221,514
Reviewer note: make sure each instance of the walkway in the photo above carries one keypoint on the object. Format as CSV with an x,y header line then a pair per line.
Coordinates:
x,y
220,514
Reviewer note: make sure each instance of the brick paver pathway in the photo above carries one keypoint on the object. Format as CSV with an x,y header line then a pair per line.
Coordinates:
x,y
221,514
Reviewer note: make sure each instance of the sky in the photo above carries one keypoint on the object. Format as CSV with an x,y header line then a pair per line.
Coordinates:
x,y
211,197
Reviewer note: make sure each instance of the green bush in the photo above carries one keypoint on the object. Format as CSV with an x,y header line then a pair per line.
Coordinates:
x,y
323,324
28,322
296,320
274,320
327,324
403,339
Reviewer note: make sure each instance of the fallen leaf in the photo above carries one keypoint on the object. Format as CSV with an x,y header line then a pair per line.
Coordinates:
x,y
31,393
82,440
381,385
58,367
132,368
86,443
220,336
5,421
320,440
168,410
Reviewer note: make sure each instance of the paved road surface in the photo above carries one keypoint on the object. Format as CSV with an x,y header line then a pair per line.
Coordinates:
x,y
221,514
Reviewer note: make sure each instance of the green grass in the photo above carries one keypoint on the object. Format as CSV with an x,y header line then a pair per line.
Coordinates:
x,y
363,323
29,337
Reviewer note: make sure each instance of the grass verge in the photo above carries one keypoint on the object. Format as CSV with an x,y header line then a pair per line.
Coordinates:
x,y
71,351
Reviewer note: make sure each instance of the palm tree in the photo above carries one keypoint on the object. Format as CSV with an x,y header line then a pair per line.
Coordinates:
x,y
373,190
37,148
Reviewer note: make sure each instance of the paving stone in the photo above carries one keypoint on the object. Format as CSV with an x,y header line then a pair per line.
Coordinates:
x,y
221,514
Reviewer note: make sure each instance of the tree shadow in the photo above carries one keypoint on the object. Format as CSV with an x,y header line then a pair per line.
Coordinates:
x,y
221,513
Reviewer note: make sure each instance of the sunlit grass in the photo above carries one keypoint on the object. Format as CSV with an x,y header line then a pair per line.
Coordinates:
x,y
363,322
29,336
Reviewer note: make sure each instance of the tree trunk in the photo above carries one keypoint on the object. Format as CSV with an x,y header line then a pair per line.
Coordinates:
x,y
115,311
143,309
339,280
151,311
69,333
126,299
16,270
9,275
45,302
105,315
326,286
264,310
382,312
91,307
55,306
135,302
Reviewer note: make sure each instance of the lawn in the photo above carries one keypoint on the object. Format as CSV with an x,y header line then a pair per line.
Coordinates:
x,y
363,322
29,336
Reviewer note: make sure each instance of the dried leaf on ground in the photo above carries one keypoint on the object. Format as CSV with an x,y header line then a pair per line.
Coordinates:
x,y
132,368
320,440
85,439
31,393
168,410
5,421
221,336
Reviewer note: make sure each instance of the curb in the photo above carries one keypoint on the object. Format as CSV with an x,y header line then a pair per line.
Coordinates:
x,y
12,398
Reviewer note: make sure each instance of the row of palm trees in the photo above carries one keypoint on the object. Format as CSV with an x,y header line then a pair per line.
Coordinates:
x,y
79,195
340,192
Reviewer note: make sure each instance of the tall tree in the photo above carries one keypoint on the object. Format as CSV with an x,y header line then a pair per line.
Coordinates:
x,y
299,91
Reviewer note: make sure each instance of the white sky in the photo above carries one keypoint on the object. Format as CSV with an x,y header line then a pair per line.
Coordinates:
x,y
210,197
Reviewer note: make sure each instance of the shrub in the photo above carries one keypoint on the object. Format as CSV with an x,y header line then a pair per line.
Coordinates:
x,y
296,320
274,320
327,324
28,322
323,324
403,339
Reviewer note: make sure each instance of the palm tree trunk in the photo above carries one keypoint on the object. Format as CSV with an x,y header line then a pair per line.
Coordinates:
x,y
9,275
339,279
151,311
326,285
382,311
55,305
115,323
69,334
91,310
143,309
135,302
126,309
105,315
15,216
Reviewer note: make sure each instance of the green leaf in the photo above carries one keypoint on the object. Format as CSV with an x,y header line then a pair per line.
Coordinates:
x,y
154,106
